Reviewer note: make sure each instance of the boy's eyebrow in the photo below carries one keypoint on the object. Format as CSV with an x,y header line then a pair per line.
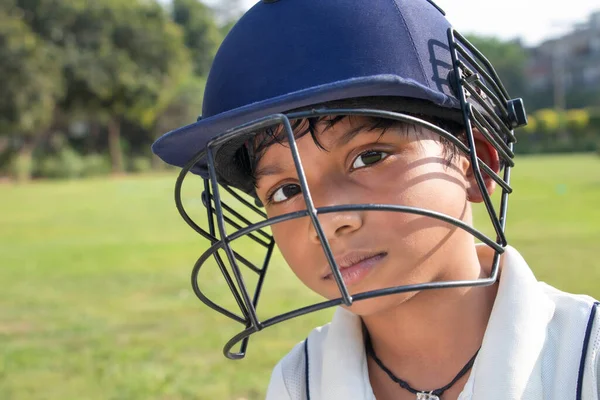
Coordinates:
x,y
272,169
348,136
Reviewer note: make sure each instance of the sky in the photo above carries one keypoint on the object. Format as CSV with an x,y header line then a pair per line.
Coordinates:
x,y
531,20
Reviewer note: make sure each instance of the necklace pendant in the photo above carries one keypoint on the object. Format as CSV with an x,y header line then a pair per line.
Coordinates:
x,y
427,396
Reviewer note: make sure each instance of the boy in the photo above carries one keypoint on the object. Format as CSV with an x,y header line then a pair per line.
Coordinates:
x,y
393,126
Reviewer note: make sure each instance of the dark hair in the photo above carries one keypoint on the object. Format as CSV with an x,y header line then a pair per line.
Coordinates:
x,y
257,146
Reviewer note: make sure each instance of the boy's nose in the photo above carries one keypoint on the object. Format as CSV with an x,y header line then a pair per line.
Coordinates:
x,y
336,224
331,192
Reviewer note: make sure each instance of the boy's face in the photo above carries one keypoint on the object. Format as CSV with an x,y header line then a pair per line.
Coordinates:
x,y
374,250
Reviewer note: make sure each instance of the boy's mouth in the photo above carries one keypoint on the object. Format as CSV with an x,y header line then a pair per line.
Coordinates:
x,y
354,266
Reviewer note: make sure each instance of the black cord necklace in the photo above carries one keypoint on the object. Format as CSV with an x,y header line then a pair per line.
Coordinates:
x,y
421,394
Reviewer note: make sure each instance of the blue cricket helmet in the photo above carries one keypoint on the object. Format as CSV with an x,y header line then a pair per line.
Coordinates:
x,y
287,54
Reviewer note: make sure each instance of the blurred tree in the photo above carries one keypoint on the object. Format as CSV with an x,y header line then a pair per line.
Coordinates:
x,y
120,59
164,62
594,126
577,120
202,36
580,97
548,120
184,107
509,58
532,125
30,84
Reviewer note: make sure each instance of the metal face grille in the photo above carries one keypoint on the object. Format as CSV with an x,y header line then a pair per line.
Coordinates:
x,y
485,106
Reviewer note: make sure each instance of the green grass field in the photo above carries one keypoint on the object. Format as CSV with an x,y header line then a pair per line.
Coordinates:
x,y
95,299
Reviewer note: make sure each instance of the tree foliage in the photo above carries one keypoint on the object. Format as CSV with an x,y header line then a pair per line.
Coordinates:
x,y
202,35
31,79
30,84
120,60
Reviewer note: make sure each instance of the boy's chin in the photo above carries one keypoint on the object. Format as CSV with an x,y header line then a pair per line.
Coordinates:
x,y
378,305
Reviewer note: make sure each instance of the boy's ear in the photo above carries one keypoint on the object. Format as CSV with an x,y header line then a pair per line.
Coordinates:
x,y
487,154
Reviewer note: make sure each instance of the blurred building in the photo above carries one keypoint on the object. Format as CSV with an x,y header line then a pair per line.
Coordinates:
x,y
567,64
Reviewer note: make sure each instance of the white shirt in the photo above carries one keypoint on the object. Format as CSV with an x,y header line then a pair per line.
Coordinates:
x,y
532,349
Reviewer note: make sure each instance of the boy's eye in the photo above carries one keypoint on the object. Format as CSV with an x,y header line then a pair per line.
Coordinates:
x,y
284,193
368,158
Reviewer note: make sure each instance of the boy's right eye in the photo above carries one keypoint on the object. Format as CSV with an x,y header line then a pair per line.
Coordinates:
x,y
284,192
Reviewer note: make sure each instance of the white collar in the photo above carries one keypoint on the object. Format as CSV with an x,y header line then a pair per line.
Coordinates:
x,y
508,359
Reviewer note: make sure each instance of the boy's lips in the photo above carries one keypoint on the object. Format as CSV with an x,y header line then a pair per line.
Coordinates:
x,y
355,265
